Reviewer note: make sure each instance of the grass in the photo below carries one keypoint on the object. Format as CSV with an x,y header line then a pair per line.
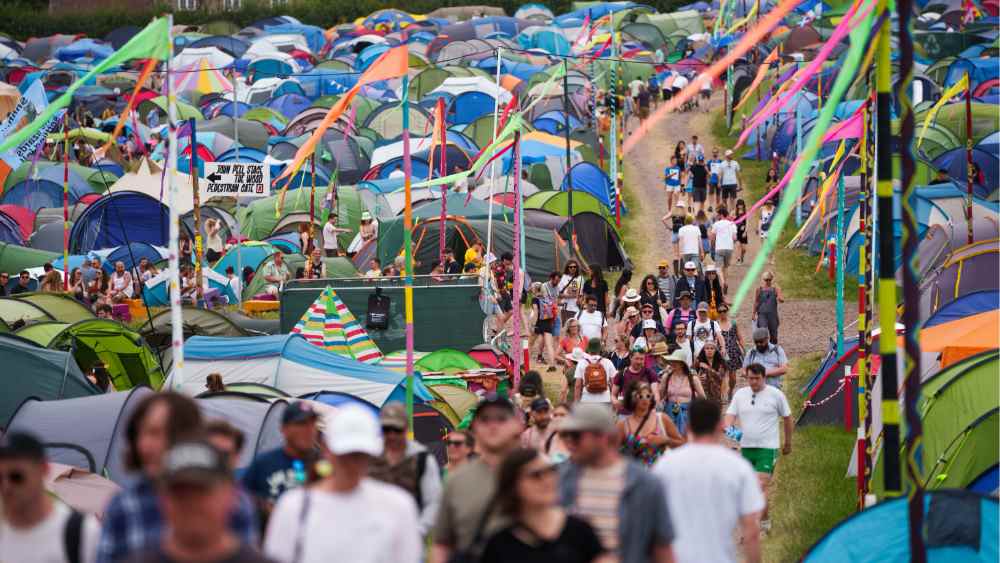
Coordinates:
x,y
809,493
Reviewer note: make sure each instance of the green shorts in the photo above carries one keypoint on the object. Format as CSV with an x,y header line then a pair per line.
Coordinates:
x,y
762,459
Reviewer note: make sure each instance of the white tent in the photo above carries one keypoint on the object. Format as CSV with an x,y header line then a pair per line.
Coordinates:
x,y
456,85
192,57
147,181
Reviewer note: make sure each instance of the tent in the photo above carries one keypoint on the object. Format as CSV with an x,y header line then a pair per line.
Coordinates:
x,y
99,445
196,322
16,311
33,371
447,360
119,218
967,269
430,426
289,363
961,338
128,358
155,292
968,304
59,306
329,324
959,526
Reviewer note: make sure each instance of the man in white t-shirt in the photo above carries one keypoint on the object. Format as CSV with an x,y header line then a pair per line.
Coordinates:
x,y
34,524
758,408
695,149
703,329
592,391
705,474
729,180
689,242
375,521
330,231
593,324
723,236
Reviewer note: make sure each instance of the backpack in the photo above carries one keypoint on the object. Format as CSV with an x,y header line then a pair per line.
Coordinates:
x,y
711,328
72,535
378,311
595,379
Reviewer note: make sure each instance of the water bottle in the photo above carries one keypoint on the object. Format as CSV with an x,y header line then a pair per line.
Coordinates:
x,y
734,433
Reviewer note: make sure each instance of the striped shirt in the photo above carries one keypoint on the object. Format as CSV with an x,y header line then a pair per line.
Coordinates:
x,y
599,495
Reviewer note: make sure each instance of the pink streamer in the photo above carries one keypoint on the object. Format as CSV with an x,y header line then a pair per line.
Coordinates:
x,y
802,77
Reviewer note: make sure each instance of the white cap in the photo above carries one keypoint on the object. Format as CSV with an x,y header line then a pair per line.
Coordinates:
x,y
648,323
353,429
710,268
690,265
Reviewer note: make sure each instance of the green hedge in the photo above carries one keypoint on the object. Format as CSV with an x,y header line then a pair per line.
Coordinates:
x,y
25,19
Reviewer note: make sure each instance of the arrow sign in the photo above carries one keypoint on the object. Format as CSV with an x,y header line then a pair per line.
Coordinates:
x,y
237,179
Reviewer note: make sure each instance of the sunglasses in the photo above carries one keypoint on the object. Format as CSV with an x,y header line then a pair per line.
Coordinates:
x,y
13,477
455,443
640,396
392,430
540,473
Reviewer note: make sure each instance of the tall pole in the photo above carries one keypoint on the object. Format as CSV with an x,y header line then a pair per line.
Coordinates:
x,y
969,170
516,343
443,171
840,256
619,140
199,249
236,215
911,291
176,317
493,167
886,255
66,268
569,177
312,206
798,151
408,249
862,380
613,110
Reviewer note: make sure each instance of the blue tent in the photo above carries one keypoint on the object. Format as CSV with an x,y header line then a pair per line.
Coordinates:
x,y
119,218
126,253
588,177
232,109
290,363
469,106
84,48
954,161
36,194
247,154
338,399
250,254
979,70
234,46
554,122
313,35
289,105
960,526
155,292
965,306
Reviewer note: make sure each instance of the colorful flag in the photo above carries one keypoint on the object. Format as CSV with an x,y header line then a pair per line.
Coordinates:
x,y
34,98
948,94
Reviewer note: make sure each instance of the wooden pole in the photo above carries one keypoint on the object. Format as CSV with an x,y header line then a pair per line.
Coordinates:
x,y
969,179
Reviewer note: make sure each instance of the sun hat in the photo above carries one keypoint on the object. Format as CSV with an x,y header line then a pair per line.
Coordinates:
x,y
710,268
663,264
577,355
648,323
631,296
366,216
660,349
678,357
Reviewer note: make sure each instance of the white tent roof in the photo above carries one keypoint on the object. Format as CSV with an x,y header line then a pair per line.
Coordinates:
x,y
192,57
456,85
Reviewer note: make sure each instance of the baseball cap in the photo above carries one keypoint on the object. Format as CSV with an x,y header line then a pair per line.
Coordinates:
x,y
353,429
648,323
703,306
493,399
194,462
21,445
594,346
701,158
663,264
689,265
299,411
592,417
761,333
393,415
540,404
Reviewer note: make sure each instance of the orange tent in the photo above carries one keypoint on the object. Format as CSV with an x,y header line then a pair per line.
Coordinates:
x,y
964,337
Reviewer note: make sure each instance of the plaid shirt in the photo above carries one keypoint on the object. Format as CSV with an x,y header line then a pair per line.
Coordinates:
x,y
133,522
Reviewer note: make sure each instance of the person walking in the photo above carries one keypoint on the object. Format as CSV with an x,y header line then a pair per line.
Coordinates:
x,y
734,348
407,464
691,283
197,480
35,525
699,183
541,426
593,376
666,283
466,517
374,521
689,241
771,356
274,472
723,235
672,182
645,433
540,531
706,474
458,448
729,179
618,497
765,306
678,388
758,407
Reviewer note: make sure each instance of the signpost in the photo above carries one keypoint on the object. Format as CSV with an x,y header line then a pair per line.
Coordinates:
x,y
238,179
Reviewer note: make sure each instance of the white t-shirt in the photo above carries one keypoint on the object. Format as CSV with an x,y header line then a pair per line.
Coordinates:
x,y
727,173
374,523
569,301
759,414
609,371
680,82
635,85
689,239
591,324
329,236
700,332
44,542
723,487
725,234
695,150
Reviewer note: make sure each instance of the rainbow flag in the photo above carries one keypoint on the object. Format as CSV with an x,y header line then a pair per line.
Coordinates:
x,y
328,323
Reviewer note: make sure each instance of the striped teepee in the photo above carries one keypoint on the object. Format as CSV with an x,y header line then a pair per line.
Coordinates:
x,y
328,323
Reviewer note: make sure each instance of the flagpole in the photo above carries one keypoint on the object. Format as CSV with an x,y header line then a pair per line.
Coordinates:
x,y
516,344
443,170
862,383
968,155
176,317
569,177
840,256
239,229
66,269
408,249
196,198
493,167
613,109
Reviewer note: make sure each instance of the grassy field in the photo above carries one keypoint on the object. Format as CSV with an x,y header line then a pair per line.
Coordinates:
x,y
810,492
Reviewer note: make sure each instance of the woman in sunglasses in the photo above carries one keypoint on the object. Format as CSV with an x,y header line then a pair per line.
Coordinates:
x,y
734,348
646,434
541,530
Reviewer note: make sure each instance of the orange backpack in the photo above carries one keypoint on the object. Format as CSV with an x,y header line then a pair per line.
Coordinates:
x,y
595,379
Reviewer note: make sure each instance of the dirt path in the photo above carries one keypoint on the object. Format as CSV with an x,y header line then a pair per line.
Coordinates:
x,y
805,324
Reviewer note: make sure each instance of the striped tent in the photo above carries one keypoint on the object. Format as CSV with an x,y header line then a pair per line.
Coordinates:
x,y
200,77
328,323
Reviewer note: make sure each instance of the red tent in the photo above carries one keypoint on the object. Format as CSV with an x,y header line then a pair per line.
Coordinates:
x,y
25,218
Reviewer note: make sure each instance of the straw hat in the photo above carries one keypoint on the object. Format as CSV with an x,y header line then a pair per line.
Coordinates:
x,y
631,296
660,349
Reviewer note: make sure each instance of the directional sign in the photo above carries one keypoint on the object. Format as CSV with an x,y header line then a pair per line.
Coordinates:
x,y
244,179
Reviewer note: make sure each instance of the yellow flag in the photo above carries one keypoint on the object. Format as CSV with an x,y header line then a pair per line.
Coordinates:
x,y
948,94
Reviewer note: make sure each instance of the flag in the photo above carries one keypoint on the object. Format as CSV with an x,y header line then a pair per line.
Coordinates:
x,y
948,94
16,156
34,98
761,73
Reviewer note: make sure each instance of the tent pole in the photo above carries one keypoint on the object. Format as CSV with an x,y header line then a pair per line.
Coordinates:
x,y
408,249
493,166
176,318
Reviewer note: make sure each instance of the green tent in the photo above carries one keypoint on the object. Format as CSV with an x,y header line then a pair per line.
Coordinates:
x,y
446,360
14,310
34,371
157,331
59,306
128,358
184,111
426,80
259,221
460,399
15,258
558,204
